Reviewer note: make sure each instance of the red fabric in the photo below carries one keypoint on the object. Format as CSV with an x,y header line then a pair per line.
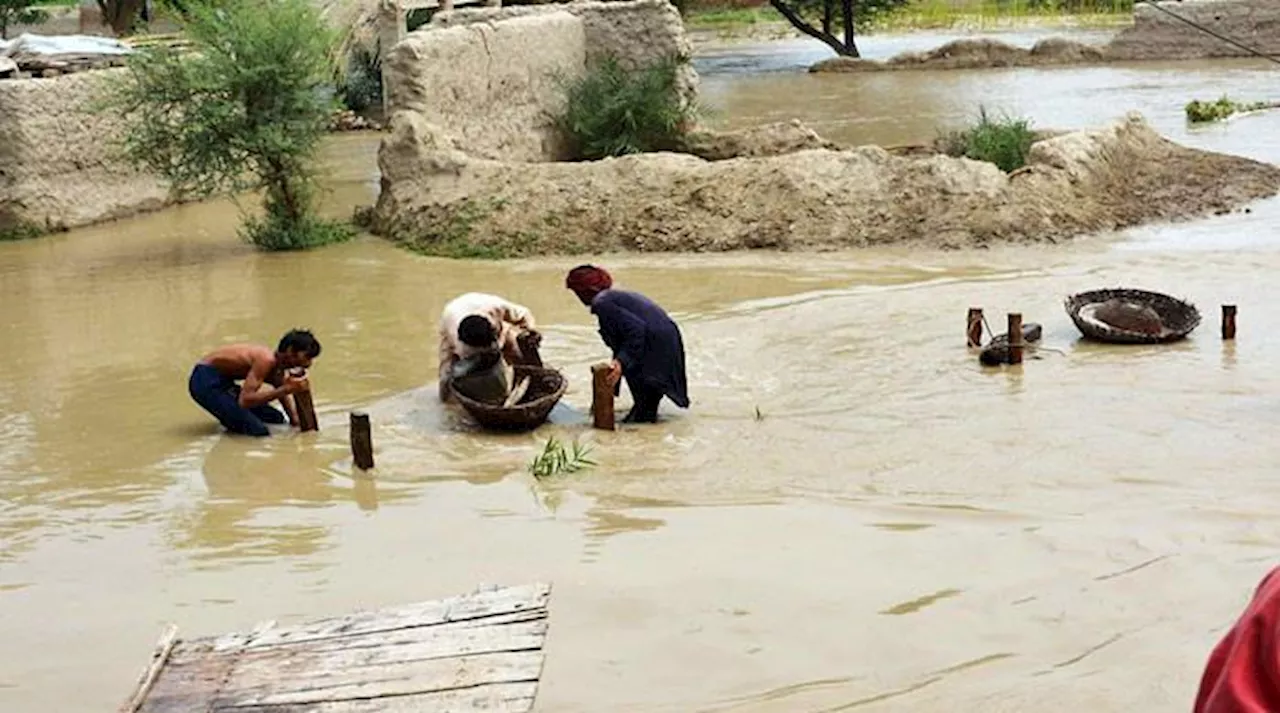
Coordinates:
x,y
588,279
1243,672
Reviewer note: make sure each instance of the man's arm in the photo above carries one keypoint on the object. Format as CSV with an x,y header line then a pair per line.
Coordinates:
x,y
519,315
251,392
628,329
447,359
290,409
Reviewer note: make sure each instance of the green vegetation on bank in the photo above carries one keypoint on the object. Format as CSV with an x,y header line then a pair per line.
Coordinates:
x,y
728,17
1199,112
21,231
614,111
244,110
1004,141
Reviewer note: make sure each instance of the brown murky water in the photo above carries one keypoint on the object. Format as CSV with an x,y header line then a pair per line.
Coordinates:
x,y
901,530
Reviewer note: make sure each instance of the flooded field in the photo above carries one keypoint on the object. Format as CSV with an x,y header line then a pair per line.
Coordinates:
x,y
899,529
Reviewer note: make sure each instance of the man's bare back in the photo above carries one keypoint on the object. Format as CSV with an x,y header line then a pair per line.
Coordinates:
x,y
235,361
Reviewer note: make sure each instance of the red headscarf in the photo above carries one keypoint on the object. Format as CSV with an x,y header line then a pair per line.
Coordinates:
x,y
589,280
1243,672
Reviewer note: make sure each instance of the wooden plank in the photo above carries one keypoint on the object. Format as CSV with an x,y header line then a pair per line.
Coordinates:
x,y
496,698
481,651
393,680
300,661
475,606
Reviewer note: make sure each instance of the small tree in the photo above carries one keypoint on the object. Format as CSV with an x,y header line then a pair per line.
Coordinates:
x,y
19,12
244,110
849,14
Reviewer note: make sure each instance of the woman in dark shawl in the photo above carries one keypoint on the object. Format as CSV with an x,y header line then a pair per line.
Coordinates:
x,y
647,347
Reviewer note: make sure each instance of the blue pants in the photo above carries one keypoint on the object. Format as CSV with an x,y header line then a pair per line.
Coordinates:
x,y
220,396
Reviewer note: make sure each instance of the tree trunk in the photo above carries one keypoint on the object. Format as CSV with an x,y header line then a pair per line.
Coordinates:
x,y
828,14
120,15
850,43
799,23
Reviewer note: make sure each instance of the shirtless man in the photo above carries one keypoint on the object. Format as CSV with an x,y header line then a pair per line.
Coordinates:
x,y
247,408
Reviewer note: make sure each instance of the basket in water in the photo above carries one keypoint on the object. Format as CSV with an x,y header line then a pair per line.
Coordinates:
x,y
1127,316
546,387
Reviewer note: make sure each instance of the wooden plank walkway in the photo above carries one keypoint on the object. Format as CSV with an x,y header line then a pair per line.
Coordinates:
x,y
477,652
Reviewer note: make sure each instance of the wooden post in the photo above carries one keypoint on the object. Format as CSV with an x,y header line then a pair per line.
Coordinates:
x,y
305,407
528,350
601,398
1228,321
975,327
1015,338
361,440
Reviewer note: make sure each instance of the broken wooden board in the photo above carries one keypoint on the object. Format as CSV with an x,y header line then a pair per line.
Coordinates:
x,y
477,652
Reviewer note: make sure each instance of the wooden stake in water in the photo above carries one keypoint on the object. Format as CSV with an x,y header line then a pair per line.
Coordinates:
x,y
1015,338
1228,321
601,398
361,440
305,407
975,327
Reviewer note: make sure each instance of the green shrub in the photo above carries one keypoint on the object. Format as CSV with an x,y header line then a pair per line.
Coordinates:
x,y
245,110
613,111
1004,142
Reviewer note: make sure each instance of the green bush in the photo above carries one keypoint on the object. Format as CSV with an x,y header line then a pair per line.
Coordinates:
x,y
613,111
1004,142
245,110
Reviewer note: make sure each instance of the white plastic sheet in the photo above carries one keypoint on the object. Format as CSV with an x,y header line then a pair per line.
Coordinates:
x,y
28,45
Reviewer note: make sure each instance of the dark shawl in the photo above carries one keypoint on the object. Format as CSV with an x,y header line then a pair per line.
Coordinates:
x,y
645,340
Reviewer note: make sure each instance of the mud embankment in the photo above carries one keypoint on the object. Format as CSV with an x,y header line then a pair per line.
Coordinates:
x,y
435,196
1154,35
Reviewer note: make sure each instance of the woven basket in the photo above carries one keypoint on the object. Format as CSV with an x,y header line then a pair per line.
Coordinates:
x,y
546,387
1177,317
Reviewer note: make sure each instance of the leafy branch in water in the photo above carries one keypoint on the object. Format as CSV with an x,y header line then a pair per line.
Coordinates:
x,y
1199,112
556,459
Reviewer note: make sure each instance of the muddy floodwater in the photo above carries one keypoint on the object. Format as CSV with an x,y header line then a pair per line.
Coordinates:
x,y
853,516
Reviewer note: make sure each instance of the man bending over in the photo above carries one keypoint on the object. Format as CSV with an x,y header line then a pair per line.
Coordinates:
x,y
246,408
477,322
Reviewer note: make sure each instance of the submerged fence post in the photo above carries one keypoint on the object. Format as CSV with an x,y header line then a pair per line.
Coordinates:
x,y
1015,338
305,407
974,333
601,398
361,440
1228,321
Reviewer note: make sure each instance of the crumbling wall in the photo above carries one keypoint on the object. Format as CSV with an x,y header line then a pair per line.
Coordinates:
x,y
1156,35
491,87
484,77
58,164
1124,174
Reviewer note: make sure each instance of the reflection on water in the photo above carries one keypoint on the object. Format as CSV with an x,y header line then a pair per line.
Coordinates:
x,y
854,515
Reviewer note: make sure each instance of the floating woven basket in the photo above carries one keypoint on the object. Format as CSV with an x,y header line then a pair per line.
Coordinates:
x,y
546,387
1126,316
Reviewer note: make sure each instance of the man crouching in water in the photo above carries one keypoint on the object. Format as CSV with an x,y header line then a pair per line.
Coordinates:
x,y
478,323
247,408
